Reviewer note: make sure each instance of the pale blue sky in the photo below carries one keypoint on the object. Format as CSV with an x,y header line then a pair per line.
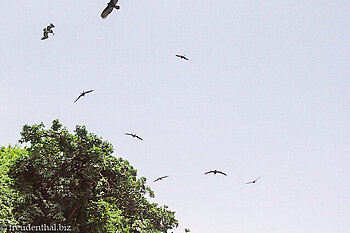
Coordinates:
x,y
265,93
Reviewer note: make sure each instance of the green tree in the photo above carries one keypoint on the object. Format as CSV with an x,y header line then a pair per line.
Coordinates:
x,y
8,156
73,179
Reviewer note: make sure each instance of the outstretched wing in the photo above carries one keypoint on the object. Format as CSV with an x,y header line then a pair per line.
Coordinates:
x,y
89,91
78,98
106,12
185,58
221,173
139,137
249,182
208,172
257,178
130,134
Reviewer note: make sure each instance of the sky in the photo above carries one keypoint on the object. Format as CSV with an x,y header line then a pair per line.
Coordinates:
x,y
265,93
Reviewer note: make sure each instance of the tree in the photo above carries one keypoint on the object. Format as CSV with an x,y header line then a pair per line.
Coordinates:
x,y
72,179
8,195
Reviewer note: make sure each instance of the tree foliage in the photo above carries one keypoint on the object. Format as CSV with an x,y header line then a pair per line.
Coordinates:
x,y
8,195
72,179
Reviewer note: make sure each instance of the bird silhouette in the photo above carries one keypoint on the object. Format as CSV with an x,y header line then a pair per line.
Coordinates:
x,y
133,135
47,30
110,6
182,56
215,171
253,182
83,94
160,178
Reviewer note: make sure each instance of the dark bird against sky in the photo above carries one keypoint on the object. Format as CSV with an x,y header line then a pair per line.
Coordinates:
x,y
83,94
215,171
110,6
253,182
133,135
47,30
160,178
182,56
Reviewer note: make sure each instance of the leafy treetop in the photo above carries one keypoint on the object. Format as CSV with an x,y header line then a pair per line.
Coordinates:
x,y
73,179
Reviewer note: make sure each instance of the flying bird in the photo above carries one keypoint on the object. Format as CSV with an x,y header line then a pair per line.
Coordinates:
x,y
215,171
182,56
253,182
110,6
83,94
133,135
160,178
47,30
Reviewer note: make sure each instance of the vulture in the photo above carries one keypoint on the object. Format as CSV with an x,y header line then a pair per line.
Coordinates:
x,y
215,171
110,6
133,135
83,94
47,30
182,56
253,182
160,178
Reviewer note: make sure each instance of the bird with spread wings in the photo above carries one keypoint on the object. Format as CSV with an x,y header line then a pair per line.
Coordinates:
x,y
83,94
253,182
160,178
110,6
215,171
133,135
182,56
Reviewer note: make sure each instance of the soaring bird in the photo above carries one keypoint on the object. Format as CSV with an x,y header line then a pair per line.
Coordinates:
x,y
253,182
133,135
215,171
160,178
110,6
182,56
47,30
83,94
